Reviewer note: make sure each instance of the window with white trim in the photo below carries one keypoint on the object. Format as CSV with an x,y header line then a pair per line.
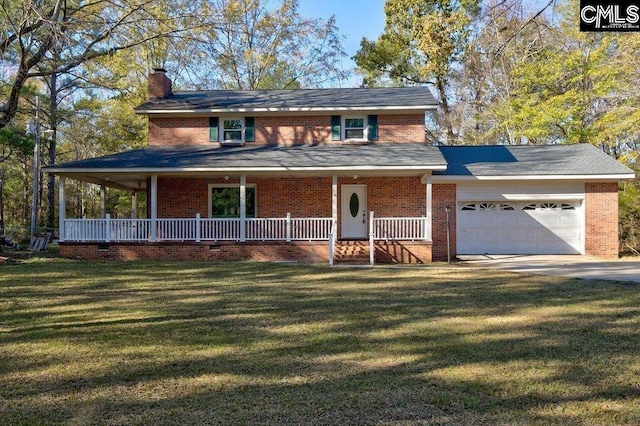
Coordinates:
x,y
232,130
354,128
224,201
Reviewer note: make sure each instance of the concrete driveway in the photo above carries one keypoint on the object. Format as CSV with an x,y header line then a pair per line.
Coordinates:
x,y
575,266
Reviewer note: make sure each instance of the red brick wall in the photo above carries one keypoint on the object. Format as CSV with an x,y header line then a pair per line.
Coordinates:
x,y
300,251
601,219
281,130
403,252
289,130
178,131
401,128
184,197
302,197
443,195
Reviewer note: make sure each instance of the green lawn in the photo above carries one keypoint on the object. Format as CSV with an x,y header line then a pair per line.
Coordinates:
x,y
254,343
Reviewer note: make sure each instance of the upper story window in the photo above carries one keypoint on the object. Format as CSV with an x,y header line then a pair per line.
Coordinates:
x,y
354,128
232,130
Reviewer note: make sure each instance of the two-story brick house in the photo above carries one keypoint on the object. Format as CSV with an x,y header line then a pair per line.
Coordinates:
x,y
313,175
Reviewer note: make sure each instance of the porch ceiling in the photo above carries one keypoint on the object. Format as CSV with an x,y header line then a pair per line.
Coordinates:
x,y
130,170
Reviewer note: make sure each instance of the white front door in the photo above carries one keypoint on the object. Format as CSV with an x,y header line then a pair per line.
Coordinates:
x,y
354,211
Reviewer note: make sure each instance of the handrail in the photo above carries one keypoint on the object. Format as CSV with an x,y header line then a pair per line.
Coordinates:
x,y
332,241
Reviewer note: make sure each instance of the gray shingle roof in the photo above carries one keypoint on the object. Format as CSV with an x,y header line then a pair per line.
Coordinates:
x,y
577,159
294,100
398,156
479,161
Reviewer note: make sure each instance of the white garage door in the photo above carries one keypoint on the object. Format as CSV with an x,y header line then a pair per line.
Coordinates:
x,y
520,227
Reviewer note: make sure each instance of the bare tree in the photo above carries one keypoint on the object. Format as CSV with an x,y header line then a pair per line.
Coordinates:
x,y
78,31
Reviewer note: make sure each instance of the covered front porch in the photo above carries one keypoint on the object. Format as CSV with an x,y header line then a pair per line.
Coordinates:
x,y
249,233
283,208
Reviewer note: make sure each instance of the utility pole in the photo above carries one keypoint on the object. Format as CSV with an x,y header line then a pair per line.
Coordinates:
x,y
36,171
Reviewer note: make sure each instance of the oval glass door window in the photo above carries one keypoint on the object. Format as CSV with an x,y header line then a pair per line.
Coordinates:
x,y
354,204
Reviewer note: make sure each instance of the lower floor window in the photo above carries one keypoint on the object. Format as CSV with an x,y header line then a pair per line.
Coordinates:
x,y
225,201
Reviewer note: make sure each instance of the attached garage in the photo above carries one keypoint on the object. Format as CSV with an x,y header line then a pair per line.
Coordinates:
x,y
532,200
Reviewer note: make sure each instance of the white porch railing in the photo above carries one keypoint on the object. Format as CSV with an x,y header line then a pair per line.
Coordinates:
x,y
197,229
309,229
177,229
396,228
399,228
220,229
106,229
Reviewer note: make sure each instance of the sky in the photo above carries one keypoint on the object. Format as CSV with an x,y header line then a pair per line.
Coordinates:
x,y
354,18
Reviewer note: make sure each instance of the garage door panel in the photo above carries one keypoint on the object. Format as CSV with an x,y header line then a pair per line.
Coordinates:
x,y
532,227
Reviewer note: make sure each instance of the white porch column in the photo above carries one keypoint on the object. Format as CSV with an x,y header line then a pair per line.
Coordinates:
x,y
154,208
429,196
134,205
62,206
243,208
103,196
334,199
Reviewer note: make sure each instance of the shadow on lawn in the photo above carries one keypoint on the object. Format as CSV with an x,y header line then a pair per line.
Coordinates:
x,y
255,343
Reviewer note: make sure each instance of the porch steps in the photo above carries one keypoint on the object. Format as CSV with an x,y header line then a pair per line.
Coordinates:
x,y
352,252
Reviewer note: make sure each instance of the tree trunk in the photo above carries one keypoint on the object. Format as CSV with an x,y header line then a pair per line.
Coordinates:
x,y
3,174
53,125
446,112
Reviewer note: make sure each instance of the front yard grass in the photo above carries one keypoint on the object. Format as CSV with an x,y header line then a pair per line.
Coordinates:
x,y
255,343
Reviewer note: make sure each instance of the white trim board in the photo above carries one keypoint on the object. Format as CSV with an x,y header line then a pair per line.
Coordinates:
x,y
503,178
520,191
170,170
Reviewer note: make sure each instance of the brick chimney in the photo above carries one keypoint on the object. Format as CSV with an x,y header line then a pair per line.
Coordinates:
x,y
159,84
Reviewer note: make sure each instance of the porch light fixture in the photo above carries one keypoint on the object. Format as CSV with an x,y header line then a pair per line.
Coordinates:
x,y
226,178
355,176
